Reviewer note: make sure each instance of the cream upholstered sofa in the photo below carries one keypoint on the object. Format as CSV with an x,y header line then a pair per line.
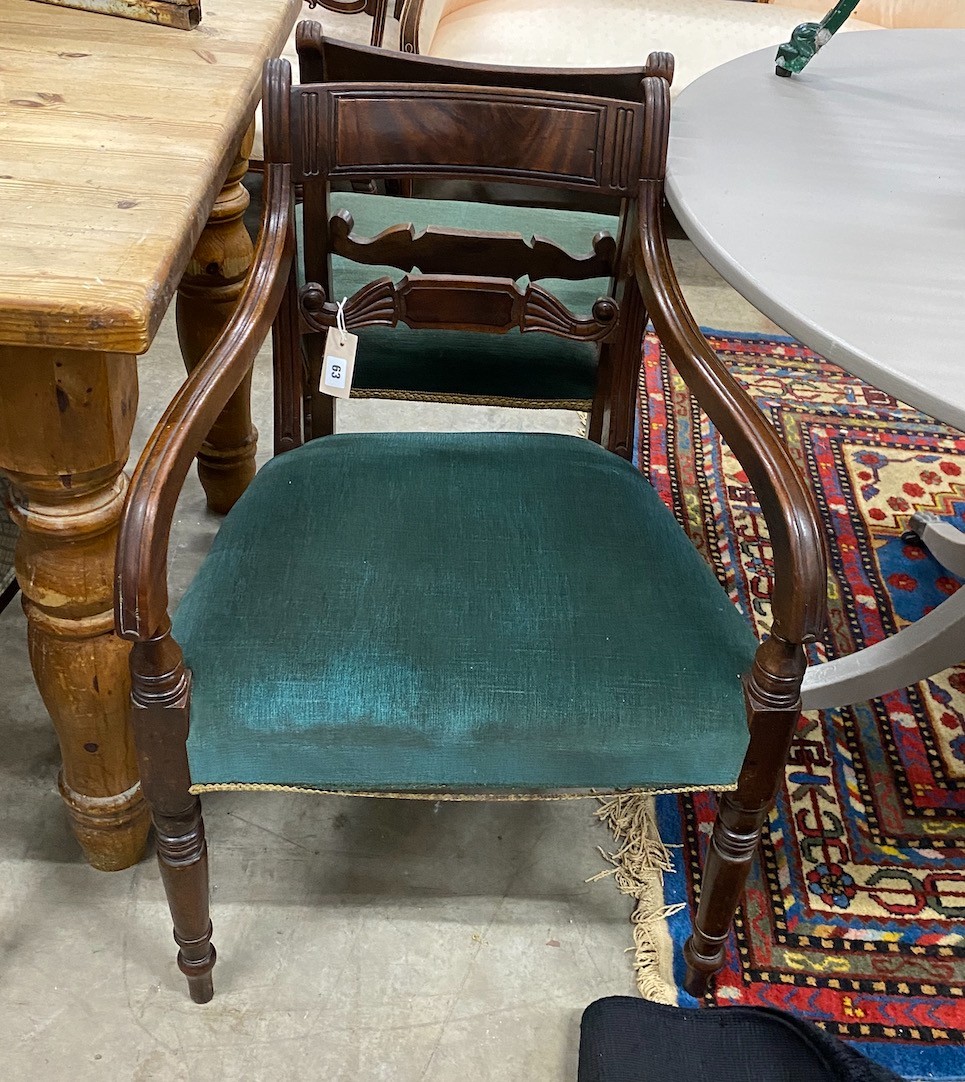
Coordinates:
x,y
893,14
608,33
701,34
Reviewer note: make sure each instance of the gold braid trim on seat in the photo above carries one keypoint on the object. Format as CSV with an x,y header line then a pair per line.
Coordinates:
x,y
576,404
583,794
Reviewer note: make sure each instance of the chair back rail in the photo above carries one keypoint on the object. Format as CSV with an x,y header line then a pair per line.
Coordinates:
x,y
350,131
467,302
435,250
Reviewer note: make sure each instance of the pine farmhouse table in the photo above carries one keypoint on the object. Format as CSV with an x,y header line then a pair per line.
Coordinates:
x,y
122,148
834,201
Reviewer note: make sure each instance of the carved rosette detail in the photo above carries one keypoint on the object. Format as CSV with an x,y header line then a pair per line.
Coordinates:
x,y
312,302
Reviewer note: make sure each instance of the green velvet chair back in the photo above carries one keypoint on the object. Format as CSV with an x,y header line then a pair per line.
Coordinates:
x,y
345,132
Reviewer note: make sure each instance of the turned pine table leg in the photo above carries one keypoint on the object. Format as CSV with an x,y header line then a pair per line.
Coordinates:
x,y
209,290
65,427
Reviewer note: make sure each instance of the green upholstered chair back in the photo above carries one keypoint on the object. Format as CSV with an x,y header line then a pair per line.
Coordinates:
x,y
481,282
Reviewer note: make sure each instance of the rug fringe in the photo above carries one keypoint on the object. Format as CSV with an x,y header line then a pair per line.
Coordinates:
x,y
638,868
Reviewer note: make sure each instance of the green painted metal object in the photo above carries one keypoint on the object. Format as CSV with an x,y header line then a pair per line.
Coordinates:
x,y
809,38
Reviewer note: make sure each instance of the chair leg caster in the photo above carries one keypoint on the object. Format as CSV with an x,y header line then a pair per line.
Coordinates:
x,y
201,989
696,983
198,974
701,969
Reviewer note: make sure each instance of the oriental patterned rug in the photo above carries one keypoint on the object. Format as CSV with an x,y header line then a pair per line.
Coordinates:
x,y
855,913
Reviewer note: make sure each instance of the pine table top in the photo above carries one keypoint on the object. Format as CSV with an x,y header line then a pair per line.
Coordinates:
x,y
115,137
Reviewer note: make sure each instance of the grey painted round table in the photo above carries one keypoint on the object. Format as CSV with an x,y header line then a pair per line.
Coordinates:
x,y
834,201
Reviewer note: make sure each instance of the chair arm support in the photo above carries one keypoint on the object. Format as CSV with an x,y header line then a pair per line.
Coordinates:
x,y
140,596
797,538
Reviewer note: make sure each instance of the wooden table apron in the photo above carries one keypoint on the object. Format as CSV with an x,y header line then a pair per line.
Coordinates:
x,y
122,148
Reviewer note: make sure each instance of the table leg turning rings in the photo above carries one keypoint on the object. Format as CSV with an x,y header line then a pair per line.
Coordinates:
x,y
66,418
207,296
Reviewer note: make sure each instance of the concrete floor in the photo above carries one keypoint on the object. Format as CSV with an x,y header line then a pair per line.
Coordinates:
x,y
358,939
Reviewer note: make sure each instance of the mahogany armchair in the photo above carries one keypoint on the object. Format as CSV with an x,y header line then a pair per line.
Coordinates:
x,y
458,613
569,252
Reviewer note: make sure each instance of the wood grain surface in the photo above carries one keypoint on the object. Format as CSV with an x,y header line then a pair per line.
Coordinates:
x,y
115,137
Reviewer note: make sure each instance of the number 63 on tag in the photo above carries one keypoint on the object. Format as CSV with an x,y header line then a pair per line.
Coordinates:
x,y
338,363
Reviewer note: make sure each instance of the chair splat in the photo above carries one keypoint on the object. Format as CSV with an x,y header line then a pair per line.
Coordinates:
x,y
494,305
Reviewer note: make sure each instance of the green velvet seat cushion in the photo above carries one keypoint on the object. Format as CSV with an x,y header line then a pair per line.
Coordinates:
x,y
460,611
522,367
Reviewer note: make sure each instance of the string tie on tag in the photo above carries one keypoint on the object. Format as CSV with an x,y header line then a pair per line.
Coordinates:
x,y
340,322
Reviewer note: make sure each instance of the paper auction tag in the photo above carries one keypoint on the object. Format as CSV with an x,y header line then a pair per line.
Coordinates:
x,y
338,360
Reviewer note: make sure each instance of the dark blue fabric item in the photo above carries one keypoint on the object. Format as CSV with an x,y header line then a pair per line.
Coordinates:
x,y
633,1040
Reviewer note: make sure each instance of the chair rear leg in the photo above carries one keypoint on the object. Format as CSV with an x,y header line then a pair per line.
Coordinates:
x,y
161,695
772,693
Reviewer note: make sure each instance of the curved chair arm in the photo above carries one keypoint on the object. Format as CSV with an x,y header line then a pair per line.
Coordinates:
x,y
141,597
797,537
375,8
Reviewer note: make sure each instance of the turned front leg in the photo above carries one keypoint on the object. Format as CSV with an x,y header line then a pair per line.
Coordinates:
x,y
207,295
773,705
65,426
182,855
730,855
161,697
